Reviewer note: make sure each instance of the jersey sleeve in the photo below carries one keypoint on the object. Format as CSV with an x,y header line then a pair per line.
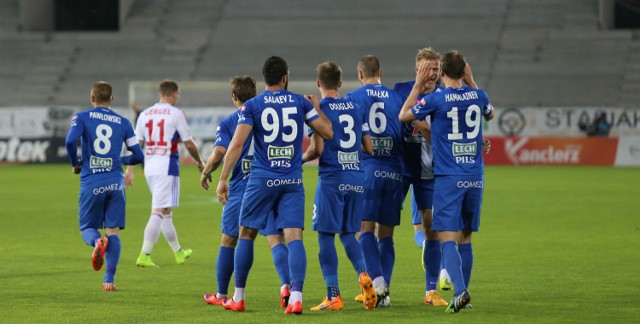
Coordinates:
x,y
182,127
310,113
130,135
487,108
424,107
223,137
245,116
75,131
365,120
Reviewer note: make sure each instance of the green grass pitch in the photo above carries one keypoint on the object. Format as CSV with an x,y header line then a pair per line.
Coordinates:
x,y
556,244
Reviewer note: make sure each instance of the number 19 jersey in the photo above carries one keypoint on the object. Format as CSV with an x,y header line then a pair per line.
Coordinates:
x,y
278,121
161,127
456,129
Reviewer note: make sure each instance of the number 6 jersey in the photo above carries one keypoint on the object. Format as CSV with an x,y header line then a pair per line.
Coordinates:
x,y
161,127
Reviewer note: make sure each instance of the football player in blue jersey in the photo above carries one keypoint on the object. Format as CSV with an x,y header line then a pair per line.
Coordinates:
x,y
418,174
339,194
102,198
243,88
456,120
383,174
276,117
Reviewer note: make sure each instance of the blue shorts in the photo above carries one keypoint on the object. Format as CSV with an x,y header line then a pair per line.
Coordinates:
x,y
457,202
283,197
272,227
422,196
383,194
102,204
231,218
337,206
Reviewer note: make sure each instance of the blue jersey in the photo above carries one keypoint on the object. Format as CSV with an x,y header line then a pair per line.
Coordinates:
x,y
418,156
344,151
382,105
278,121
456,128
240,172
103,132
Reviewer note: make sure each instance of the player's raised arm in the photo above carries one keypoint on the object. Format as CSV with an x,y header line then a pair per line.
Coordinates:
x,y
467,78
213,162
321,126
424,128
230,159
422,74
315,148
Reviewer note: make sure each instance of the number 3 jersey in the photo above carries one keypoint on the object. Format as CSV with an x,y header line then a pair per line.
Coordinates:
x,y
103,132
161,127
278,121
456,129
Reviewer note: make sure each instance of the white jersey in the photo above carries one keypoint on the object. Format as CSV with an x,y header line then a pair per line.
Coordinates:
x,y
161,127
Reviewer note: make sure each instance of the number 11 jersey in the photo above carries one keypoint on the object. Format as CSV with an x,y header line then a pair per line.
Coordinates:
x,y
161,127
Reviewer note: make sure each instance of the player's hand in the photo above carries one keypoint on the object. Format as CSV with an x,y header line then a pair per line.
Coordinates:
x,y
128,180
200,166
223,192
313,99
486,145
204,180
467,78
422,72
77,168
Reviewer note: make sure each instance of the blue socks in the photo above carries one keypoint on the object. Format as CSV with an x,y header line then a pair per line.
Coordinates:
x,y
466,256
90,236
243,261
432,258
354,251
297,264
280,254
112,257
453,264
328,262
371,254
387,257
224,268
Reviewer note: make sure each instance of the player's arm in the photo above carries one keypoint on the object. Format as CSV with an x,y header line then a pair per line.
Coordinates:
x,y
230,159
315,149
193,150
422,73
213,162
322,125
367,144
424,128
486,144
128,173
70,143
467,78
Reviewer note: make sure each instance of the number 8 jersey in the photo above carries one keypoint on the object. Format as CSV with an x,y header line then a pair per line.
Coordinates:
x,y
456,128
161,127
278,121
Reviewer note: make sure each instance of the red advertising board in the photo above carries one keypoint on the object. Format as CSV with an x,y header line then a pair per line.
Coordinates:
x,y
552,151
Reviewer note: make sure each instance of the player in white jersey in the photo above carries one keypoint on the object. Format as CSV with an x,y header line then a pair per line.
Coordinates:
x,y
159,130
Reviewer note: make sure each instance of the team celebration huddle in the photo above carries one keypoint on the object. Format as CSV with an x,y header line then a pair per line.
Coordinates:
x,y
373,145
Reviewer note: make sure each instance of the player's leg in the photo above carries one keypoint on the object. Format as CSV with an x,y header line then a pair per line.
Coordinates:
x,y
471,219
90,219
280,256
389,218
416,220
290,215
172,185
257,203
153,229
114,222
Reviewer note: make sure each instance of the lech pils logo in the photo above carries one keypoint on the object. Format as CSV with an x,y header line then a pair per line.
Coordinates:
x,y
280,152
96,162
347,157
459,149
246,166
382,143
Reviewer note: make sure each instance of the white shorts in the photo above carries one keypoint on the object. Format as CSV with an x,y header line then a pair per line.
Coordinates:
x,y
165,190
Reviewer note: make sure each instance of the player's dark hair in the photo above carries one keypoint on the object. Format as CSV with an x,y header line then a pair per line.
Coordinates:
x,y
330,75
244,87
102,92
453,64
274,69
168,87
369,65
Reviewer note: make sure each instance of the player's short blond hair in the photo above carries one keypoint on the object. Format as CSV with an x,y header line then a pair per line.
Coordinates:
x,y
102,92
427,53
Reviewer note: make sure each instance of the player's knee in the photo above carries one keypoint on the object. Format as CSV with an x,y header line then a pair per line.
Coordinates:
x,y
229,241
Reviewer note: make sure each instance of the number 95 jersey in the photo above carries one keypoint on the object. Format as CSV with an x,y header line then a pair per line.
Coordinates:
x,y
161,127
278,121
456,129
